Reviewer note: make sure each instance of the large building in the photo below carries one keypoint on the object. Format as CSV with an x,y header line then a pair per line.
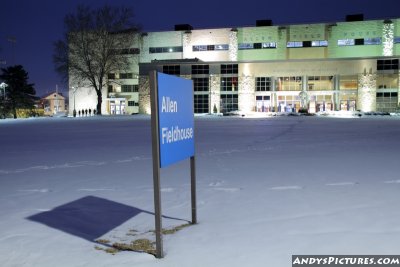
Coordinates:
x,y
351,65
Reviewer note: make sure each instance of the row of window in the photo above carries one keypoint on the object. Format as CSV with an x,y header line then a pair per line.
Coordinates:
x,y
247,46
361,41
128,75
387,64
133,104
220,47
126,51
166,49
125,88
294,83
228,102
129,88
382,64
299,44
201,69
388,94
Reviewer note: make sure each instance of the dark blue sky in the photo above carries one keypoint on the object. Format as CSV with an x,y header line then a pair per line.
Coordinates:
x,y
36,24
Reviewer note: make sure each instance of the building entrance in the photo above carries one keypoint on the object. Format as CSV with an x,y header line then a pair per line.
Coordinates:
x,y
117,106
263,103
288,103
348,105
320,103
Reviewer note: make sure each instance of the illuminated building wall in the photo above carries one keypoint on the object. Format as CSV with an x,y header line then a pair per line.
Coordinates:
x,y
144,95
265,56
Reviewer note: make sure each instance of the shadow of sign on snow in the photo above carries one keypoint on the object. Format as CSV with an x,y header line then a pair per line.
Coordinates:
x,y
89,217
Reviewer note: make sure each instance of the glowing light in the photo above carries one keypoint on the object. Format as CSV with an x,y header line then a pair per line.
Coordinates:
x,y
186,44
215,92
247,93
388,37
233,45
366,92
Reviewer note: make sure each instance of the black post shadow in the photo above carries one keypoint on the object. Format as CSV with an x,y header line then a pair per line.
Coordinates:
x,y
89,217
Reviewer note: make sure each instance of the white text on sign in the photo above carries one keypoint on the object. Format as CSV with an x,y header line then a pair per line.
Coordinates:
x,y
169,105
174,134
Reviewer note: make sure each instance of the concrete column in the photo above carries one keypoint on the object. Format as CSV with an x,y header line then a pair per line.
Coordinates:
x,y
336,94
233,45
388,38
215,92
144,95
366,97
247,93
303,95
144,48
304,83
187,49
274,100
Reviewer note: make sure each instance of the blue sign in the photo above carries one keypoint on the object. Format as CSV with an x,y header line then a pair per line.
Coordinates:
x,y
176,118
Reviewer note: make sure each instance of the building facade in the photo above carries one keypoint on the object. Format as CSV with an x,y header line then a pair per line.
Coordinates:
x,y
351,65
53,104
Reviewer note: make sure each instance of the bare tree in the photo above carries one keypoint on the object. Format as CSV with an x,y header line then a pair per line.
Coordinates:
x,y
97,42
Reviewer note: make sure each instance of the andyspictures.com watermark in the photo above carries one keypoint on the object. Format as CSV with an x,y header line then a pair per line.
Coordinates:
x,y
345,260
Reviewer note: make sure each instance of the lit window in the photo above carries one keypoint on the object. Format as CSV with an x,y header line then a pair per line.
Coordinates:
x,y
346,42
373,41
245,46
169,49
269,45
197,48
320,43
294,44
222,47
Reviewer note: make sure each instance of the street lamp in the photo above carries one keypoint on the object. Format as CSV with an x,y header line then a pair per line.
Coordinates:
x,y
74,91
3,86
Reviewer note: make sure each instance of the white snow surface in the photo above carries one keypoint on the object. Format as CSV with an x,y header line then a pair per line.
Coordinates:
x,y
267,188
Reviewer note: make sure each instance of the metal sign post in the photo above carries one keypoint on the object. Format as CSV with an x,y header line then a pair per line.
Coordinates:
x,y
193,188
172,124
156,162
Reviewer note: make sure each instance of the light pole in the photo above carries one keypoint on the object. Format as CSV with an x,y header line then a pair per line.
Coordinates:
x,y
3,86
74,91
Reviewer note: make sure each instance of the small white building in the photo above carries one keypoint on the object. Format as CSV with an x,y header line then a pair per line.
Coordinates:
x,y
54,104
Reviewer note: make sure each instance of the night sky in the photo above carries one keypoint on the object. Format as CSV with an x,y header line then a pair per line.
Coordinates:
x,y
28,28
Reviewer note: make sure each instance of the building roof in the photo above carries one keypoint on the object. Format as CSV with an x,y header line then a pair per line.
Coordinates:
x,y
49,95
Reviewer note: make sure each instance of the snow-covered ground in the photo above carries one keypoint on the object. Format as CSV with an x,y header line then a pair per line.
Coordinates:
x,y
267,188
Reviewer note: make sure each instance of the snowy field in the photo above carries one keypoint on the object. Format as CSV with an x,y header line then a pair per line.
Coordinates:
x,y
267,188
